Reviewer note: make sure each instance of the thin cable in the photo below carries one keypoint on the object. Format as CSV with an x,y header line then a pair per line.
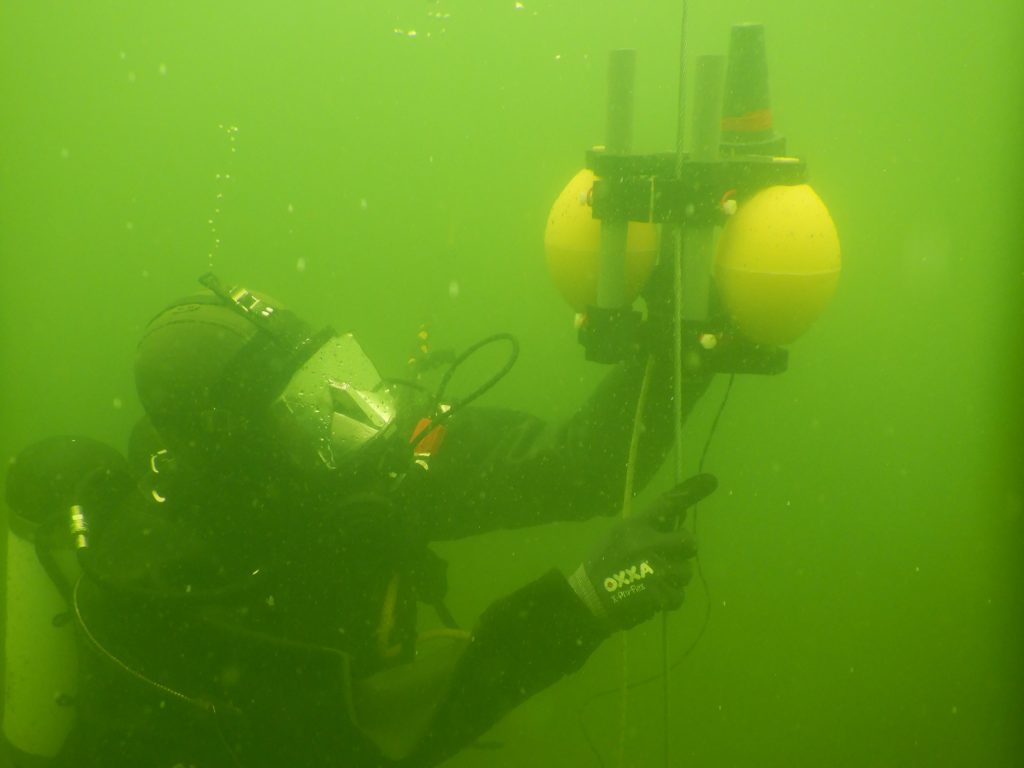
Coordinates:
x,y
681,110
634,438
203,705
714,423
206,706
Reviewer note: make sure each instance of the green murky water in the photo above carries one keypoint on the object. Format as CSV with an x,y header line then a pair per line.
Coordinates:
x,y
384,164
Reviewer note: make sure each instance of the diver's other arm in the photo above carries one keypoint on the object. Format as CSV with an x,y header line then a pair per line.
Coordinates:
x,y
522,644
547,629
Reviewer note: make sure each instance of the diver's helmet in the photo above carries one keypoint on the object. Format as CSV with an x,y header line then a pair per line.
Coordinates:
x,y
231,374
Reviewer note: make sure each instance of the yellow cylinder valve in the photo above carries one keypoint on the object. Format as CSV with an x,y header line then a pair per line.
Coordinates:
x,y
778,263
572,242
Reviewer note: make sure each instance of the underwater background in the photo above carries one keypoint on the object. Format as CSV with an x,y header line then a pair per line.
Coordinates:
x,y
379,165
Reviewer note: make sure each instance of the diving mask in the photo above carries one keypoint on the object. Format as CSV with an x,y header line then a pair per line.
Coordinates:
x,y
334,407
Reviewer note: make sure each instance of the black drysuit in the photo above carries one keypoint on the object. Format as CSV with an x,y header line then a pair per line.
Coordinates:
x,y
234,620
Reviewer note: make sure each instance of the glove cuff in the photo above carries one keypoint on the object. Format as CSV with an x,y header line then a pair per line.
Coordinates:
x,y
584,589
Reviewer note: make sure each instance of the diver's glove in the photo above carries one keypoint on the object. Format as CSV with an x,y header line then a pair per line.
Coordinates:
x,y
645,564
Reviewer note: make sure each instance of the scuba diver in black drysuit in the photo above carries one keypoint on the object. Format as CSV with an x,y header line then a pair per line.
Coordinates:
x,y
250,588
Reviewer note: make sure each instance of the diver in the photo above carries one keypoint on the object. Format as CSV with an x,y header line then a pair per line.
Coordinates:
x,y
252,578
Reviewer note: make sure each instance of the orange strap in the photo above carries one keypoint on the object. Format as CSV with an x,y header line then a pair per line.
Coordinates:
x,y
431,437
758,120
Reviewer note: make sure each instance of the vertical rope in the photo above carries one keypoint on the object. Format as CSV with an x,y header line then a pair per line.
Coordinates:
x,y
677,373
627,510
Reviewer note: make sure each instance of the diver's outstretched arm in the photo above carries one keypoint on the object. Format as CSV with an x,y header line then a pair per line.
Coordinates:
x,y
507,469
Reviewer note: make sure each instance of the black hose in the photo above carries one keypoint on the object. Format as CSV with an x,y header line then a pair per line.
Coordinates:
x,y
486,386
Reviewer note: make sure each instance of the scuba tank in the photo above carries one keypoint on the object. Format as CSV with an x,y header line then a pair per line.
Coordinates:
x,y
40,651
40,663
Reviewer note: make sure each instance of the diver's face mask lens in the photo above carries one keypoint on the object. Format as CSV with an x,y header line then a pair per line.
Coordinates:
x,y
335,408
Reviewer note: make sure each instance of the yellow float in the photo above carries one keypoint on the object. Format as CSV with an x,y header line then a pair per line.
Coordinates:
x,y
778,263
572,242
